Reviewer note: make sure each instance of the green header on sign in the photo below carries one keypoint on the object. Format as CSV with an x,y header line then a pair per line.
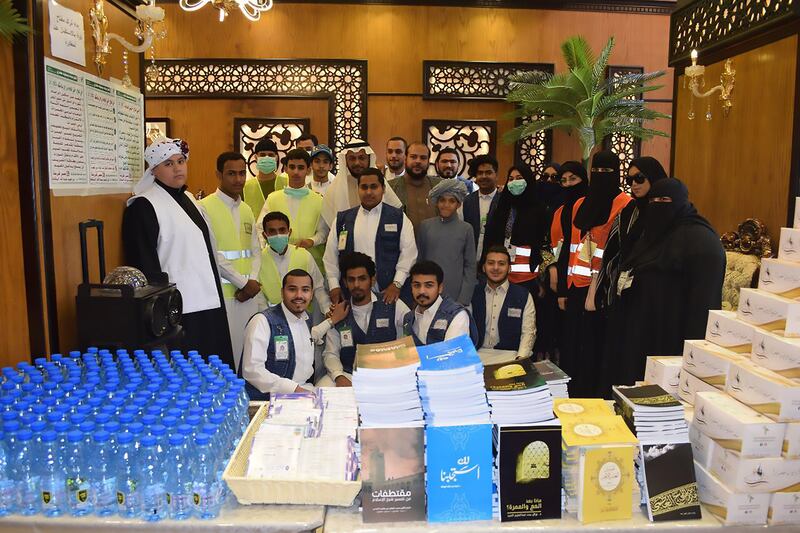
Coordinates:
x,y
59,72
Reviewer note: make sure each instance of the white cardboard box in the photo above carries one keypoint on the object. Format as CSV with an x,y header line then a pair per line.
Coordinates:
x,y
702,446
769,311
708,361
724,329
755,475
780,277
664,371
737,427
789,244
731,507
690,386
791,440
784,508
765,391
777,353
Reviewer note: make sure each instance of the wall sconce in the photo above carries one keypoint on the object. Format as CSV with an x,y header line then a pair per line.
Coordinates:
x,y
147,16
251,9
695,74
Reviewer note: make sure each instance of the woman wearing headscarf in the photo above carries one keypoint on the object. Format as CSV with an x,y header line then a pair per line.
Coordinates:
x,y
593,216
671,278
449,241
520,224
550,192
643,172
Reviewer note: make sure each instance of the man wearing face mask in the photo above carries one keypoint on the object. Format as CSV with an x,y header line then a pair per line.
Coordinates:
x,y
669,281
412,188
279,257
163,231
257,189
302,205
238,250
353,159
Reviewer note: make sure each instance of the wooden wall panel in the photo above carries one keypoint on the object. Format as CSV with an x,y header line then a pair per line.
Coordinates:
x,y
396,39
67,212
211,132
739,167
14,343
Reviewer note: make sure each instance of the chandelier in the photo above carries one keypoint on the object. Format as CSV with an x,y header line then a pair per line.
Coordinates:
x,y
251,9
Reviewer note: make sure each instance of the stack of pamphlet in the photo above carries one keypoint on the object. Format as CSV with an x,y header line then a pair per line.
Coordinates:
x,y
340,411
290,443
598,453
451,383
385,384
665,465
517,393
556,378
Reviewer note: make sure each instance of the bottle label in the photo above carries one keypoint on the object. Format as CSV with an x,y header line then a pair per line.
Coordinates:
x,y
46,497
82,496
120,498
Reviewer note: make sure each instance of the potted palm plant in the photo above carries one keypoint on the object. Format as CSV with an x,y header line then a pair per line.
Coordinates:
x,y
583,100
11,22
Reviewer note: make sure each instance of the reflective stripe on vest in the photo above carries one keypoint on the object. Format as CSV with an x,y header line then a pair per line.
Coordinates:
x,y
521,265
233,245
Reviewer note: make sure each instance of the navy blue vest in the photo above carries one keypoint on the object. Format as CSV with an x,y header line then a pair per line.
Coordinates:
x,y
509,328
385,333
447,311
387,243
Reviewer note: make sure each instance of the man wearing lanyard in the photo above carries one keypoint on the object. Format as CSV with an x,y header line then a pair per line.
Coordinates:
x,y
480,205
279,343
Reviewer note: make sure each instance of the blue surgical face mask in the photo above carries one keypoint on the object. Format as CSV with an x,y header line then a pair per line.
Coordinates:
x,y
517,187
266,164
278,242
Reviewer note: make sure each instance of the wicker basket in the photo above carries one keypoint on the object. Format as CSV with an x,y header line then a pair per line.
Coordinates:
x,y
296,491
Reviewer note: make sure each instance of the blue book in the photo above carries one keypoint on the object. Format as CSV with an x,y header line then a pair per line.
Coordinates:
x,y
454,354
459,473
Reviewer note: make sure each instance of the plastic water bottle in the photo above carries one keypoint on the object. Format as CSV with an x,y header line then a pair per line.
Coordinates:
x,y
129,497
77,475
154,494
103,474
51,472
26,477
179,478
7,490
207,495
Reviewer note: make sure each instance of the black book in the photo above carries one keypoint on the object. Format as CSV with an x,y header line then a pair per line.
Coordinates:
x,y
645,399
670,484
529,472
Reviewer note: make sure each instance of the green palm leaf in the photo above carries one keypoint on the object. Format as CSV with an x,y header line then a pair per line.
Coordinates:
x,y
11,22
583,100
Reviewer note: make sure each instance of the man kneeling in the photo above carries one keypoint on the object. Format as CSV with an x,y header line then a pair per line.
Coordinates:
x,y
279,343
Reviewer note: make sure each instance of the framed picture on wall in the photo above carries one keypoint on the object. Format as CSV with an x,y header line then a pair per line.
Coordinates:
x,y
470,138
156,127
284,131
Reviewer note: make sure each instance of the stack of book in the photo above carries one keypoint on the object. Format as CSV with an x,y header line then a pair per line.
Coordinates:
x,y
665,461
385,384
517,393
556,378
451,383
598,453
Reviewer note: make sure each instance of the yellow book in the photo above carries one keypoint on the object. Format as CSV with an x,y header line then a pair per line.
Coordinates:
x,y
595,431
581,407
606,484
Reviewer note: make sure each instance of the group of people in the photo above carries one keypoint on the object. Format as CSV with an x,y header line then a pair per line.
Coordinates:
x,y
298,265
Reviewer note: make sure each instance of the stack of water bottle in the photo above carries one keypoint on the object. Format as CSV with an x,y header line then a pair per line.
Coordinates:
x,y
140,436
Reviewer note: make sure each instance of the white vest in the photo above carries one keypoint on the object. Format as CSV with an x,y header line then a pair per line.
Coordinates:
x,y
182,252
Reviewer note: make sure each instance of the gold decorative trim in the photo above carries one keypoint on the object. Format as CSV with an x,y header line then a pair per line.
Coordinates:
x,y
675,499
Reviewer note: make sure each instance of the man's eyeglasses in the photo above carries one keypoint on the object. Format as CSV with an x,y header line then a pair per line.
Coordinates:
x,y
638,178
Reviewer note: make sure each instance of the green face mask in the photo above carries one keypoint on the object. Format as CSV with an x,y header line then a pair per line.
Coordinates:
x,y
266,164
517,187
296,193
278,242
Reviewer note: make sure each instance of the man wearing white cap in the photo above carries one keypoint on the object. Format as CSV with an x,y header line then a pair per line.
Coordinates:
x,y
164,233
